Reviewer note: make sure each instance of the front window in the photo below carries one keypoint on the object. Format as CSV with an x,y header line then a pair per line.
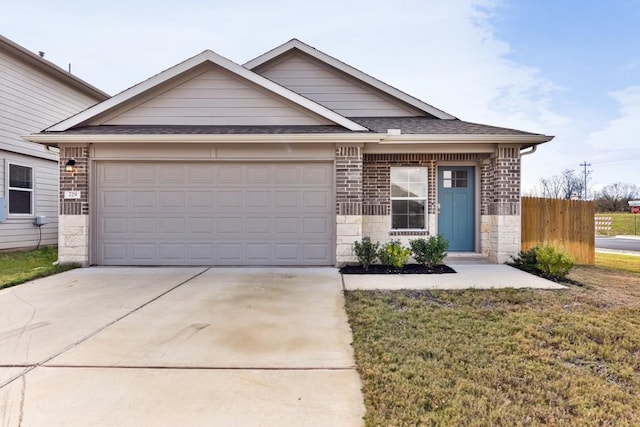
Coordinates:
x,y
20,190
408,198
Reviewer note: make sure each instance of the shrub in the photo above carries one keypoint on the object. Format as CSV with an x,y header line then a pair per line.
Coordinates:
x,y
553,262
545,260
393,254
430,252
526,260
366,252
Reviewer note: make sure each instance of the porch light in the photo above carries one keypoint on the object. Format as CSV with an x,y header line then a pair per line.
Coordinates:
x,y
70,166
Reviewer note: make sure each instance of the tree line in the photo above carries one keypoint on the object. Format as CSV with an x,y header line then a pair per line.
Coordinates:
x,y
571,185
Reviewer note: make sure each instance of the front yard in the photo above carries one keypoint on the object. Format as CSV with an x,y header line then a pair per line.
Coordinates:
x,y
20,267
503,357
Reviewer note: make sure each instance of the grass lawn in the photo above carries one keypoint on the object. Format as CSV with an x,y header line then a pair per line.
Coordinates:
x,y
622,223
20,267
502,357
618,262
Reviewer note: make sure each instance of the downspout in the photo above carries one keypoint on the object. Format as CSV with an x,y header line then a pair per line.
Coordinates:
x,y
526,153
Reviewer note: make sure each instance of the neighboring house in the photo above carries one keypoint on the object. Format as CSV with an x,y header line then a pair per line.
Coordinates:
x,y
283,161
34,94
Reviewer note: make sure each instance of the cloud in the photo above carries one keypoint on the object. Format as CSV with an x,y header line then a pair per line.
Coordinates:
x,y
623,132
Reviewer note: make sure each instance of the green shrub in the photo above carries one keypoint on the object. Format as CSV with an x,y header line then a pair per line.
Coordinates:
x,y
393,254
545,260
430,252
366,252
526,260
553,262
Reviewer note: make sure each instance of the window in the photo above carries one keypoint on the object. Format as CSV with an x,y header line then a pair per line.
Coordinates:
x,y
408,198
20,190
454,179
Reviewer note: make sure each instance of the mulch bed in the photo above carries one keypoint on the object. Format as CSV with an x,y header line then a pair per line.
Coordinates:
x,y
407,269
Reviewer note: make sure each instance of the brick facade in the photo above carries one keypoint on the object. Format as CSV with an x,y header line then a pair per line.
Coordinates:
x,y
349,180
75,181
376,176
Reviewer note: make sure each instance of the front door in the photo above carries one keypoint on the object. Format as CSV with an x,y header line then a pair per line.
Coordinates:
x,y
456,221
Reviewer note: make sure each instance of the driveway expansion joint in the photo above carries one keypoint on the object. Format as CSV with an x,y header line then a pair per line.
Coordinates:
x,y
31,367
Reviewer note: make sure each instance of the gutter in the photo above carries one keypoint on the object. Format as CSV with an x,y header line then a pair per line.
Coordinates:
x,y
54,138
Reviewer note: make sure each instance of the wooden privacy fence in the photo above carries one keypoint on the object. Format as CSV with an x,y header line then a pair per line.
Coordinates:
x,y
565,224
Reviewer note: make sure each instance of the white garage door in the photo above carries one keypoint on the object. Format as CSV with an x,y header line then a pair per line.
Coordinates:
x,y
215,214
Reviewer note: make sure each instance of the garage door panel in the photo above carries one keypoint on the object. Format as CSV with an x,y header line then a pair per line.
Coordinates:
x,y
172,253
258,199
215,214
229,174
115,226
114,199
315,251
229,253
229,200
315,227
142,174
171,199
316,199
141,226
171,226
286,252
287,226
143,199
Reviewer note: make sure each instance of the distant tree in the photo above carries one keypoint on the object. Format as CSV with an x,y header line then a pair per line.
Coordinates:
x,y
567,185
614,197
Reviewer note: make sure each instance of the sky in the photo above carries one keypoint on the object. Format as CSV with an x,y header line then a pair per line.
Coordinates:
x,y
565,68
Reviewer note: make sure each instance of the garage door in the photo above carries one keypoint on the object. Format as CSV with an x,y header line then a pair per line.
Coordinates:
x,y
215,214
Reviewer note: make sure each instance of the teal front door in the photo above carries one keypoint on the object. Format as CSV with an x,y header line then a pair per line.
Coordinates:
x,y
456,219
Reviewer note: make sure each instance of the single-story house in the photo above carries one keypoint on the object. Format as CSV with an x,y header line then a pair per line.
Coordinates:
x,y
34,94
286,160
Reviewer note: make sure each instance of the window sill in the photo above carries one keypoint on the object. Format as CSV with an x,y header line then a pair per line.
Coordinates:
x,y
408,232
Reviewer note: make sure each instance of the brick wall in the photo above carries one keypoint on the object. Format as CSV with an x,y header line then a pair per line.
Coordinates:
x,y
503,182
376,168
349,180
74,181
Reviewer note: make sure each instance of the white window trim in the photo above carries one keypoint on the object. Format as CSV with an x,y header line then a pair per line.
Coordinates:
x,y
425,198
30,190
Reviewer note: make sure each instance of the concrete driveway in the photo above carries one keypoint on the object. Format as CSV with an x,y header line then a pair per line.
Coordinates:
x,y
178,346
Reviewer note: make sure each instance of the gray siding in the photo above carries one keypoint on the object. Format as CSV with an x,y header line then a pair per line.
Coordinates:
x,y
30,101
215,97
333,89
19,231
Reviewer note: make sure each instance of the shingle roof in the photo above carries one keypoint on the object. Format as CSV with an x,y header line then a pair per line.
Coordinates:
x,y
429,126
199,130
407,125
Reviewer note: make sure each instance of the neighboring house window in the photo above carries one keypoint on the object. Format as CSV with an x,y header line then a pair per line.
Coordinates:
x,y
20,190
408,198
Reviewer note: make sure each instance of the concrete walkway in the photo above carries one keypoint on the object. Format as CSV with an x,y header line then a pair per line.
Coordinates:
x,y
178,346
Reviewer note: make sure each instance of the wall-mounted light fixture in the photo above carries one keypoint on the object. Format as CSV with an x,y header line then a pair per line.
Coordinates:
x,y
70,166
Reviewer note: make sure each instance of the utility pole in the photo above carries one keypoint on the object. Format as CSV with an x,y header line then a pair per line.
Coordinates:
x,y
585,165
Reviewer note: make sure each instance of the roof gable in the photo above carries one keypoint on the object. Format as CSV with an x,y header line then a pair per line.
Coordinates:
x,y
270,65
138,104
50,69
211,96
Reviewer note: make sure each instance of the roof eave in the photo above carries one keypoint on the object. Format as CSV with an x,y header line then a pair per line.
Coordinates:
x,y
54,139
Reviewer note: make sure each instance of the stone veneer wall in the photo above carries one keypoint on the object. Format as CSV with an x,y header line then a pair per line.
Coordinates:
x,y
500,220
73,227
